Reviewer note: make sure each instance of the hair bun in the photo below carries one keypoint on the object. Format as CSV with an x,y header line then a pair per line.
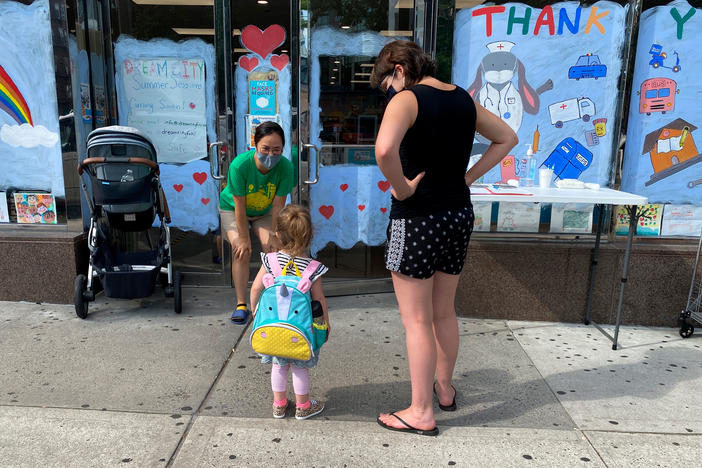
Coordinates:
x,y
428,65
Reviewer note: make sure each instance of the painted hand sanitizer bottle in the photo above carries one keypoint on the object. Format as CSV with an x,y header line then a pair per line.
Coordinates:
x,y
529,169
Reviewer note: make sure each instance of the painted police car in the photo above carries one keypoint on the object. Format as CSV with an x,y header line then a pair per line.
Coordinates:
x,y
587,66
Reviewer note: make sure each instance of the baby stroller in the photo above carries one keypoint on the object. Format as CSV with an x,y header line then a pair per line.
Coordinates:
x,y
693,310
123,173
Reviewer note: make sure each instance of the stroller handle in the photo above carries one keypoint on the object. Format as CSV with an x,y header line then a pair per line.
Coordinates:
x,y
88,161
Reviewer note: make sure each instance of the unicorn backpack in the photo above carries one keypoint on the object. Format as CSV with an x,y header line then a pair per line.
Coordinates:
x,y
283,324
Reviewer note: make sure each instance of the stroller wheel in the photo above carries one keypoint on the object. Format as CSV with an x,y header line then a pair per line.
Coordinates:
x,y
177,293
686,330
167,288
79,300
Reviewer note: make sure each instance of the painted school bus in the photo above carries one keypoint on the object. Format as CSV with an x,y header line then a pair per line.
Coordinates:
x,y
657,95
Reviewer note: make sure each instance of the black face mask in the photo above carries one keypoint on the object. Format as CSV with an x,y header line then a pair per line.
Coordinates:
x,y
390,93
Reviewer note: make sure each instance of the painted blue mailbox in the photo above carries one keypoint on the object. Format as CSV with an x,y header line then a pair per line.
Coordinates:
x,y
569,159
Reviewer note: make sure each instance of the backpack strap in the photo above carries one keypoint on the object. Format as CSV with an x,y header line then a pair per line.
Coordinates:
x,y
305,284
269,278
273,264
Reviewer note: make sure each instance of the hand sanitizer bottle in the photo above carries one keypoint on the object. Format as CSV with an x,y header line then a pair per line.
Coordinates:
x,y
529,169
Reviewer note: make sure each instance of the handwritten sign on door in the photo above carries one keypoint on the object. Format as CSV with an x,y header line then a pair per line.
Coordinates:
x,y
166,98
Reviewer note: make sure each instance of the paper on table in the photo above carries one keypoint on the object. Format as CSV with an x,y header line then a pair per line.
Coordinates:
x,y
495,190
479,190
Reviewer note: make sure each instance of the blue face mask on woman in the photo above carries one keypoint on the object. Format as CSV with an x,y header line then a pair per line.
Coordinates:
x,y
268,160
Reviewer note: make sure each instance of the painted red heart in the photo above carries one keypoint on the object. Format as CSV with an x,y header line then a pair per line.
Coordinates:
x,y
383,210
192,105
326,211
248,63
361,207
343,187
205,201
178,187
200,177
384,185
280,61
262,42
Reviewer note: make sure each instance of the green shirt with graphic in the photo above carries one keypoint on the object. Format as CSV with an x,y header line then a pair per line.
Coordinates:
x,y
245,180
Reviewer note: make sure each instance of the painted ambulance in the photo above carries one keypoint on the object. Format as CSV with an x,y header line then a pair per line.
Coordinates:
x,y
571,109
657,95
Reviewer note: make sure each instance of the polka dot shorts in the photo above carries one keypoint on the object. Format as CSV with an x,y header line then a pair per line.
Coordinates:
x,y
418,247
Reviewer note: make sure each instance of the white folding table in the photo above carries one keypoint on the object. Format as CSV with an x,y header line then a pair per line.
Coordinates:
x,y
601,197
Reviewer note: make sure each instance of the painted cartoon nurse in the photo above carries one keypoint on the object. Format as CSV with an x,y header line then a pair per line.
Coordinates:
x,y
498,93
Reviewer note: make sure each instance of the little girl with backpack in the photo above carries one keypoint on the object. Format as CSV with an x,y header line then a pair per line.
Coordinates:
x,y
284,294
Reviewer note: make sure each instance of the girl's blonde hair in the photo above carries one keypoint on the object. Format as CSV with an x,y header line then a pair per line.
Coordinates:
x,y
295,229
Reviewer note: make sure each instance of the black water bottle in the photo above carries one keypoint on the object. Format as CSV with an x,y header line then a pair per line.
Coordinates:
x,y
317,313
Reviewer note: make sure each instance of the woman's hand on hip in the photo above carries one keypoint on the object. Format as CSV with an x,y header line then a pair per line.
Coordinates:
x,y
410,186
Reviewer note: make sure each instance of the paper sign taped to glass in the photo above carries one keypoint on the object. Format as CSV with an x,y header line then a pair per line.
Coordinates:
x,y
253,121
35,208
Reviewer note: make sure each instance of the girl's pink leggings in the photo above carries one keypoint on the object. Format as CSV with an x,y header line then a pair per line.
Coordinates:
x,y
300,379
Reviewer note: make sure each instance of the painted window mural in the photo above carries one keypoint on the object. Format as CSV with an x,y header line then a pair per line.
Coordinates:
x,y
166,89
30,153
662,158
351,201
552,74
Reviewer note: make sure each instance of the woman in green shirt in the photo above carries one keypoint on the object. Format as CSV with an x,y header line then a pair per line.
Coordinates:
x,y
258,184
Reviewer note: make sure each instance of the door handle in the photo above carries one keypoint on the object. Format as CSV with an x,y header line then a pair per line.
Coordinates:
x,y
316,159
214,160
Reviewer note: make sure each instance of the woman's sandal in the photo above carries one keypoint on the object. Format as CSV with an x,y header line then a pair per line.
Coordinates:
x,y
408,428
240,315
452,406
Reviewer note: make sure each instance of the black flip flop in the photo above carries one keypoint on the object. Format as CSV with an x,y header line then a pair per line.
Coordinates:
x,y
452,406
409,429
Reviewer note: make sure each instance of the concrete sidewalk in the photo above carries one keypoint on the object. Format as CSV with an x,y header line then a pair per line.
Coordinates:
x,y
137,385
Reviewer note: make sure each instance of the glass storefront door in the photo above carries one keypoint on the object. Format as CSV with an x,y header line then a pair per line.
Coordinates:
x,y
151,37
170,74
340,115
316,56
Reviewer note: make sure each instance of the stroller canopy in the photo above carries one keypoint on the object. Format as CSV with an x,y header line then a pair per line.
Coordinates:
x,y
119,135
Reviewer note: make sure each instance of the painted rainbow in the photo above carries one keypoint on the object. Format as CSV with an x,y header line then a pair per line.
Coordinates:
x,y
12,101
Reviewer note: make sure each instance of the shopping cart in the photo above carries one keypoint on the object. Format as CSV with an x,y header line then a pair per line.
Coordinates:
x,y
692,312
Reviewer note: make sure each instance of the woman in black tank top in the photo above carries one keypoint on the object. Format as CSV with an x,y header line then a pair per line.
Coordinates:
x,y
423,148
